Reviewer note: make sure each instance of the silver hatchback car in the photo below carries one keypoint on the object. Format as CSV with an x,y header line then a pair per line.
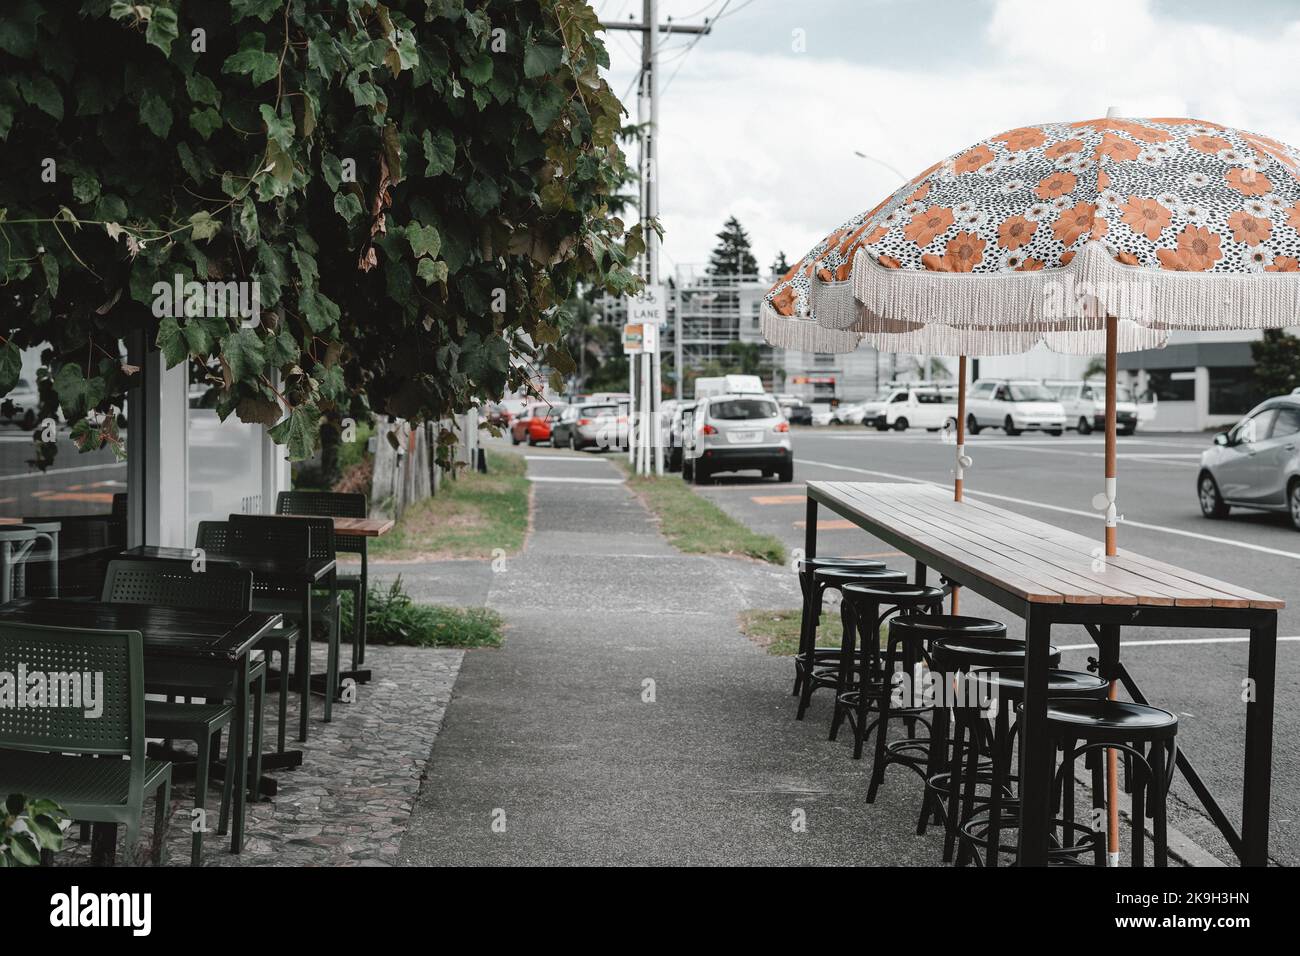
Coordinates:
x,y
1256,464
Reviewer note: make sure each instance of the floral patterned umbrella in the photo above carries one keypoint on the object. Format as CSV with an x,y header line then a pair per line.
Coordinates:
x,y
1087,235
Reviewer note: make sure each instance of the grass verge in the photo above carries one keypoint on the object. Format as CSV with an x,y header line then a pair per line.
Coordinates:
x,y
776,630
695,525
469,517
392,617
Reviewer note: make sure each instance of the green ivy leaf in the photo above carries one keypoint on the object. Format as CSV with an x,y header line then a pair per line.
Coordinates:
x,y
202,90
162,29
262,9
439,152
50,265
11,366
424,240
203,226
321,311
278,128
77,394
431,271
541,59
206,122
248,230
253,61
298,431
347,205
155,113
479,69
85,189
244,352
171,342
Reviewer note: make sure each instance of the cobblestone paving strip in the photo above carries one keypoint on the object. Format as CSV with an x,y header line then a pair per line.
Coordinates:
x,y
350,802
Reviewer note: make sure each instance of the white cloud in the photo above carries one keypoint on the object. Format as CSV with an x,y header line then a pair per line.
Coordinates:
x,y
771,138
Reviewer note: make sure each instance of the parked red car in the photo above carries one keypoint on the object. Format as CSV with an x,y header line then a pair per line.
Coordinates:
x,y
534,424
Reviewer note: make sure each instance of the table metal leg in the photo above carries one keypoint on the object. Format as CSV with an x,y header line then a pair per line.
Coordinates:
x,y
237,750
1259,743
810,529
1035,750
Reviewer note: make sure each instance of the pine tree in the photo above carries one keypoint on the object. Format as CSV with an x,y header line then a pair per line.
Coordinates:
x,y
733,256
779,266
1277,363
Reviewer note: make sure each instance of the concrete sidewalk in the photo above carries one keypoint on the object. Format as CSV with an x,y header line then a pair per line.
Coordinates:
x,y
627,721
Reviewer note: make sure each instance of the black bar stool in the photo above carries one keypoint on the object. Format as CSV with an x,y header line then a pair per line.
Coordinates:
x,y
821,666
863,616
1148,736
980,822
812,608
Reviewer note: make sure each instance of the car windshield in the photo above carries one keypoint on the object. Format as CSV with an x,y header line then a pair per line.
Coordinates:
x,y
1030,393
599,411
742,409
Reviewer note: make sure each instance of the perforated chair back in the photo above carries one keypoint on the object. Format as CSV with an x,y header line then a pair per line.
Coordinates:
x,y
332,504
108,722
266,536
324,542
177,584
213,536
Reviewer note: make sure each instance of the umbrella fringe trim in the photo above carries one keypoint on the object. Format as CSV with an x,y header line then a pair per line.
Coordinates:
x,y
1075,298
803,334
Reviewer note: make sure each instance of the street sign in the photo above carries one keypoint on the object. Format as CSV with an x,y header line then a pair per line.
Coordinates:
x,y
650,307
640,337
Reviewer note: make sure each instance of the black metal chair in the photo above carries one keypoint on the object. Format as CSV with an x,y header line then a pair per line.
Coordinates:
x,y
336,504
811,612
822,667
218,588
1147,736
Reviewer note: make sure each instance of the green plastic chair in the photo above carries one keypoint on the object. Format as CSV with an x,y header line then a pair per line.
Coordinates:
x,y
62,754
337,504
176,584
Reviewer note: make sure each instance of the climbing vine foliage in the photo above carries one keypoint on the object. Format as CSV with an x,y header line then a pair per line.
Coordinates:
x,y
329,205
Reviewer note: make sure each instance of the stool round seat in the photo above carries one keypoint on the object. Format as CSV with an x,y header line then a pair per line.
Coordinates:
x,y
981,651
41,527
1085,719
935,626
893,593
861,564
838,577
17,532
1010,683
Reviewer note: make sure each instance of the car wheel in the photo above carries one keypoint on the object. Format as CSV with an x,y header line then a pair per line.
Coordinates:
x,y
900,424
1085,426
1055,432
514,439
1212,506
786,474
1293,499
882,425
972,425
573,442
688,470
1009,427
701,473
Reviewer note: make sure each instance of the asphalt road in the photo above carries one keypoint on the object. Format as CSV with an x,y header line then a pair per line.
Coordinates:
x,y
74,484
1055,479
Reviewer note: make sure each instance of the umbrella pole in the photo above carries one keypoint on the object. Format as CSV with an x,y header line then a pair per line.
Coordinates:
x,y
1112,756
961,448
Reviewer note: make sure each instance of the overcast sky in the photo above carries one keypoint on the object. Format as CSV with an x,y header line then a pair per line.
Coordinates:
x,y
752,127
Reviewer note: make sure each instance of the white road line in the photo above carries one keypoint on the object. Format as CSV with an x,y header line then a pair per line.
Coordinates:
x,y
586,459
578,481
63,471
1069,511
1188,640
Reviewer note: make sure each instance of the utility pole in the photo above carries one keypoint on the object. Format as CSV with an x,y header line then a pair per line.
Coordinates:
x,y
647,114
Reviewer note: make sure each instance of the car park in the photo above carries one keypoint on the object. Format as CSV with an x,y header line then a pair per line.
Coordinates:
x,y
737,433
1014,406
1084,404
1256,464
592,425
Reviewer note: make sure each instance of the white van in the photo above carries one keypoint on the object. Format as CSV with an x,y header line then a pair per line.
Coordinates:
x,y
1085,406
907,407
728,385
1014,406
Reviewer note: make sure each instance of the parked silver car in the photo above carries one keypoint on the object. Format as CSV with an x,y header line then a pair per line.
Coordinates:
x,y
737,432
597,425
1256,464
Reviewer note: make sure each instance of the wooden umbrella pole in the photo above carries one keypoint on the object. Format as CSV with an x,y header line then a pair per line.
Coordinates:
x,y
961,450
1112,756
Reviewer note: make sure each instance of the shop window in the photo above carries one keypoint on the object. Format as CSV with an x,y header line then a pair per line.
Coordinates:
x,y
1232,390
1172,384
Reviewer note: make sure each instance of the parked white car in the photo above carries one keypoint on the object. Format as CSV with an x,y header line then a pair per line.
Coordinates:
x,y
736,433
1013,406
1085,406
905,408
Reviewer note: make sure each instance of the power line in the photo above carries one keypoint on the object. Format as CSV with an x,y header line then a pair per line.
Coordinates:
x,y
721,13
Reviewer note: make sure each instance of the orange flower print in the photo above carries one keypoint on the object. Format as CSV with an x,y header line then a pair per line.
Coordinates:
x,y
1246,228
1057,184
1119,149
973,159
783,301
1015,232
923,228
1293,217
1074,223
1148,134
1208,144
1198,250
919,193
889,262
1145,217
964,252
1030,265
1063,148
1067,258
876,235
1126,258
1024,138
1284,264
1248,182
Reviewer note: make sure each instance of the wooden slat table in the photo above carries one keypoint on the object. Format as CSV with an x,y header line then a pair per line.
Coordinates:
x,y
1049,576
363,527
